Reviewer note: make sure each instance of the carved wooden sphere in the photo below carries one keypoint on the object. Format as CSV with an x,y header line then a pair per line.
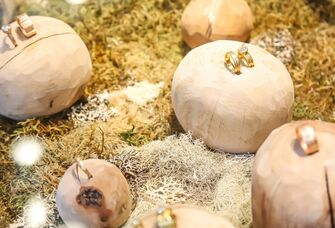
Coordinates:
x,y
45,73
104,200
291,188
204,21
232,113
185,217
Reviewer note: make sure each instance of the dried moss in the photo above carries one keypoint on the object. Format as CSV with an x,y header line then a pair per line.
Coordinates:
x,y
138,40
182,170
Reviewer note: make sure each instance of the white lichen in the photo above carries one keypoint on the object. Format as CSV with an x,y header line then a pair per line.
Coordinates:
x,y
96,108
279,43
182,170
143,92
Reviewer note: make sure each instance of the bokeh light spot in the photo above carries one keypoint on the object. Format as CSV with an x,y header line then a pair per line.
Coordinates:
x,y
76,2
27,151
35,213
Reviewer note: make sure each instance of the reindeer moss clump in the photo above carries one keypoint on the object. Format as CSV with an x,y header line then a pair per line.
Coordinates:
x,y
136,40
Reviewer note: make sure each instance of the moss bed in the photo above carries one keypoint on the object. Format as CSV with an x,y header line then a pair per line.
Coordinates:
x,y
135,40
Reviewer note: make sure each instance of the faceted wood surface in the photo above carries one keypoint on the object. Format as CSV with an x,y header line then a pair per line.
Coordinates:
x,y
43,74
290,188
108,180
208,20
232,113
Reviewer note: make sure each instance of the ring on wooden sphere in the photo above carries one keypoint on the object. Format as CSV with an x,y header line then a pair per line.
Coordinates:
x,y
307,139
26,25
80,165
137,224
166,218
8,30
245,56
232,62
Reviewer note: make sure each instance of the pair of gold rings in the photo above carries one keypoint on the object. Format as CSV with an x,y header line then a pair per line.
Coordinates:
x,y
233,60
26,27
165,219
307,139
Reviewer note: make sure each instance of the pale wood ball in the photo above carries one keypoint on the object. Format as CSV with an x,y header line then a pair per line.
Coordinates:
x,y
101,201
204,21
291,188
232,113
44,74
190,217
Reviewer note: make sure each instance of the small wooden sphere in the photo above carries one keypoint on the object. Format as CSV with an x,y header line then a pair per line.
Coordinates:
x,y
232,113
44,74
204,21
189,217
101,201
291,188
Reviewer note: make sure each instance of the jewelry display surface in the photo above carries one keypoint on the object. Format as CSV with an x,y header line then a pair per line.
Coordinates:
x,y
45,73
291,187
232,113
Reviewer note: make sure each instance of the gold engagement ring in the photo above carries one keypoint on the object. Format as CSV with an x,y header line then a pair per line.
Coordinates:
x,y
307,139
245,56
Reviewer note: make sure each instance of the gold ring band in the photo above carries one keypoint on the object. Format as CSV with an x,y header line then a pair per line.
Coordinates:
x,y
137,224
307,139
26,25
166,218
245,57
232,62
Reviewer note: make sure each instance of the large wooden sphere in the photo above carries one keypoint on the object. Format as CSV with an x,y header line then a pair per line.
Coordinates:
x,y
190,217
290,188
102,201
44,74
233,113
208,20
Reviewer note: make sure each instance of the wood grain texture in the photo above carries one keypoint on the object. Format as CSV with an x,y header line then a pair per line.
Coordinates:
x,y
232,113
44,74
190,217
208,20
109,180
290,188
